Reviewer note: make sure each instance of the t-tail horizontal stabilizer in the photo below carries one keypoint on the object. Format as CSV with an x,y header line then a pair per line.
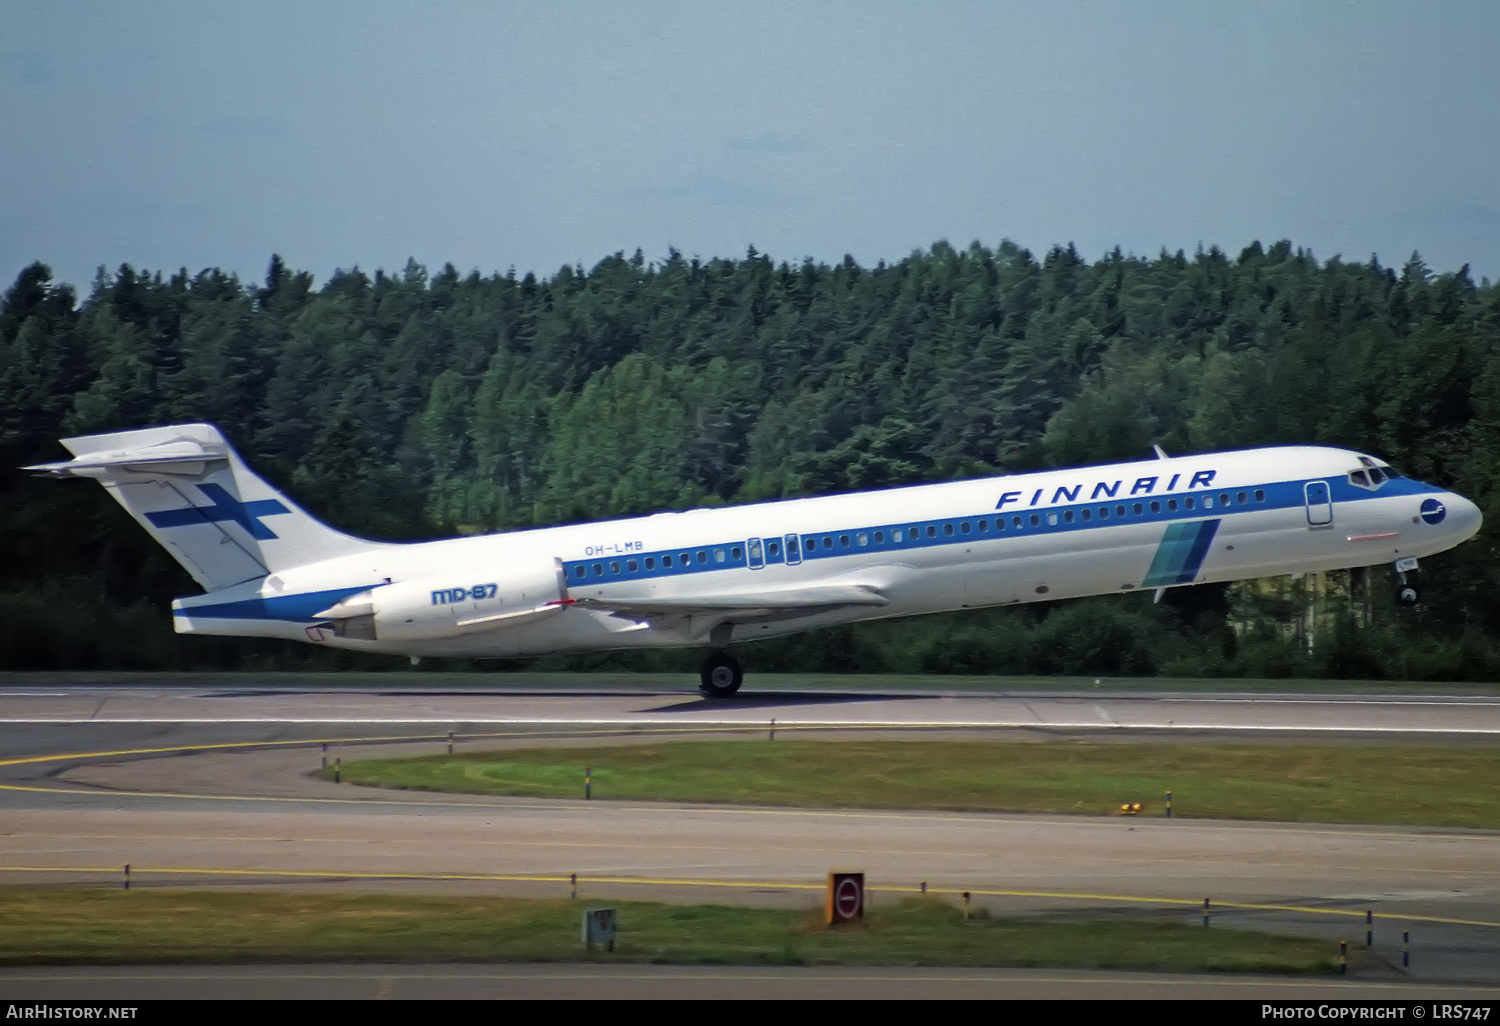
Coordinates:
x,y
191,491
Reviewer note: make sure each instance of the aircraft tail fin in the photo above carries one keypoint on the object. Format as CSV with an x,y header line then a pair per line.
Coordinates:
x,y
191,491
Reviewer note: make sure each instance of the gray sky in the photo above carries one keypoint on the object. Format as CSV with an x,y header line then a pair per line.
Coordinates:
x,y
170,134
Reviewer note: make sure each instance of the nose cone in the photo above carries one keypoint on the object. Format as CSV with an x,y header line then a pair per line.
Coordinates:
x,y
1464,516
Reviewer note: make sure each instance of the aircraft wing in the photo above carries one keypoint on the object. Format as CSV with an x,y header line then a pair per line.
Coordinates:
x,y
771,600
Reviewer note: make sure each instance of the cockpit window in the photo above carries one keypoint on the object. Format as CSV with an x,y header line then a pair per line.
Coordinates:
x,y
1372,478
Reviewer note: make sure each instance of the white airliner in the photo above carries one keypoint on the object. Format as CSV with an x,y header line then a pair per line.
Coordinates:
x,y
716,576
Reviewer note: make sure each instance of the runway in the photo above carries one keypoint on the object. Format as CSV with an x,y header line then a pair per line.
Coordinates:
x,y
1471,717
216,786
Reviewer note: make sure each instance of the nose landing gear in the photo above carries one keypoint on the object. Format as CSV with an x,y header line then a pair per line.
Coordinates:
x,y
720,675
1407,593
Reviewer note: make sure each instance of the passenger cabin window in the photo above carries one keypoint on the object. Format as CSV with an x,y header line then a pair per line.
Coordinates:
x,y
1103,512
735,552
718,555
614,567
1240,498
1120,511
1260,495
1067,516
579,571
1052,519
702,556
984,524
650,562
1172,505
1036,521
1223,498
844,540
862,538
598,569
1086,514
879,537
827,542
931,531
1155,506
666,562
1208,502
773,548
812,545
966,527
631,565
948,530
1137,508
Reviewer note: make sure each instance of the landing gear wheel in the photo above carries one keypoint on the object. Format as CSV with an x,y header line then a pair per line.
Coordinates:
x,y
721,675
1407,593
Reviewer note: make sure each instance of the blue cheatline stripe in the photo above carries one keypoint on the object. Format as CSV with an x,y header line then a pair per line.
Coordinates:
x,y
993,525
295,608
1180,555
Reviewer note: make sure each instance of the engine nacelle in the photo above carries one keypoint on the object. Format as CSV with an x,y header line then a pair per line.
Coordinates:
x,y
430,608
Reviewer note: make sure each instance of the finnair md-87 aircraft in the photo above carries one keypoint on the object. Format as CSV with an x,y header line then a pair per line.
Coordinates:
x,y
712,577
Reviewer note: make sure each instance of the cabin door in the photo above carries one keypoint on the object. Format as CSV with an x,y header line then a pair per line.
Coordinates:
x,y
1319,503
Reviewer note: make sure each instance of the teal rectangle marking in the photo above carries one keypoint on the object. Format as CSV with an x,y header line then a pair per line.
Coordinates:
x,y
1180,555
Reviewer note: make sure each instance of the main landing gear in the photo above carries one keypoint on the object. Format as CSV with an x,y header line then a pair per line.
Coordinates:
x,y
720,675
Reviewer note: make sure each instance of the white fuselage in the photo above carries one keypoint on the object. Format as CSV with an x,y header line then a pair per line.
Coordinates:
x,y
932,548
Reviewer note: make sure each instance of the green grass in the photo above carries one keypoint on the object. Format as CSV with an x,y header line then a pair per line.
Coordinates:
x,y
1329,783
55,926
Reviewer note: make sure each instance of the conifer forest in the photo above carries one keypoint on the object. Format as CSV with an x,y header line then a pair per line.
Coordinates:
x,y
417,404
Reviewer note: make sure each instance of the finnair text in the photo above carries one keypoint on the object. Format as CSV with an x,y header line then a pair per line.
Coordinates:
x,y
1106,490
